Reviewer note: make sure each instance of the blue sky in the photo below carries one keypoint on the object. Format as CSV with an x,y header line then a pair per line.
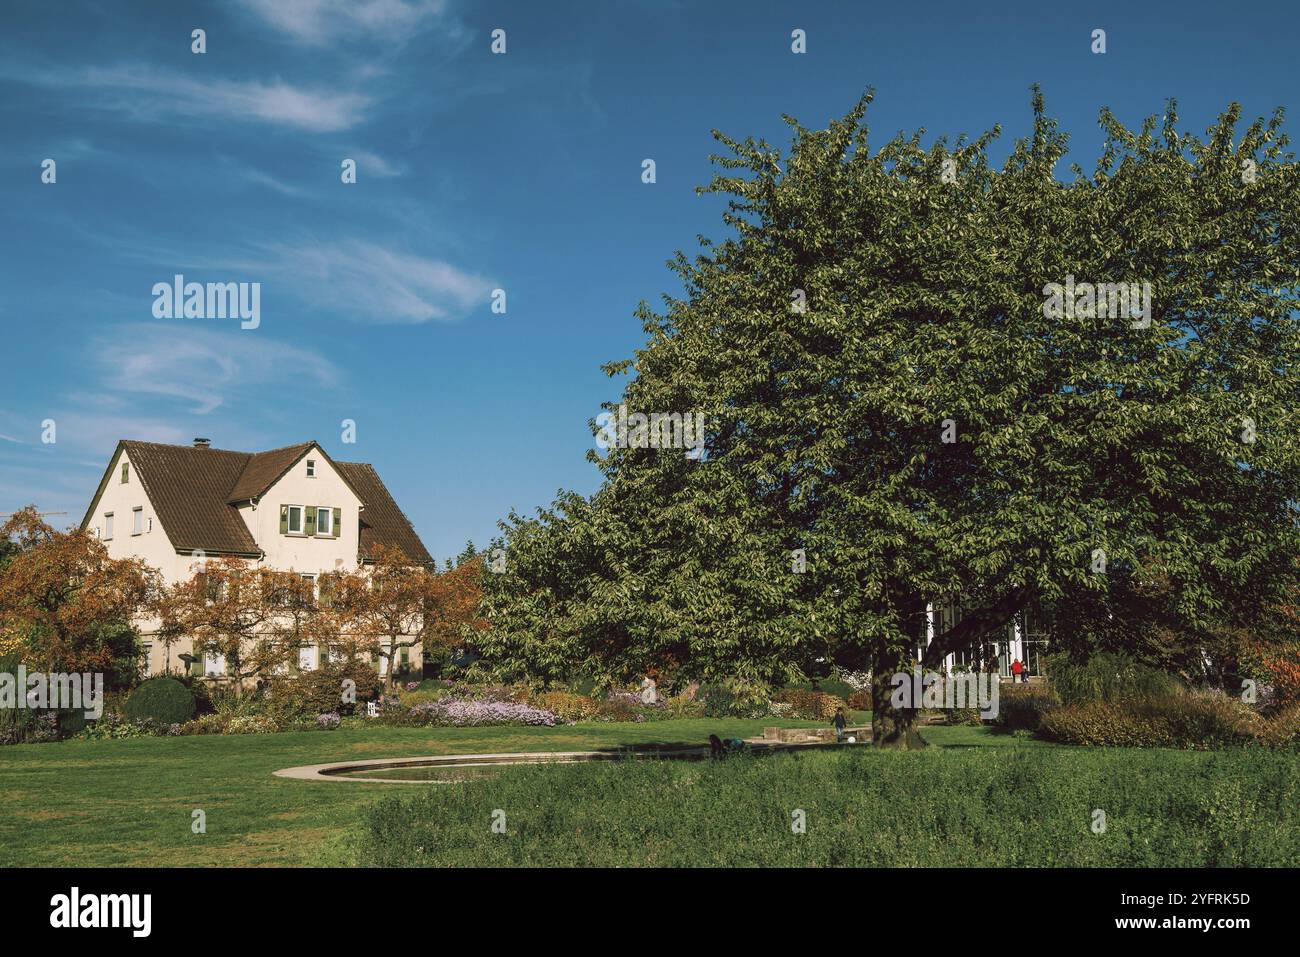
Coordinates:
x,y
477,171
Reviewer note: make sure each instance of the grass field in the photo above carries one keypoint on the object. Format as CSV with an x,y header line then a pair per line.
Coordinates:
x,y
974,798
130,802
959,807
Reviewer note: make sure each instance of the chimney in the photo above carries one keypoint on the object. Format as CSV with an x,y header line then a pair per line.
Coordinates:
x,y
203,443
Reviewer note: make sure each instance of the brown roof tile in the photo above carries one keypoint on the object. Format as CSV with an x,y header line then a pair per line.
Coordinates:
x,y
264,470
193,491
382,522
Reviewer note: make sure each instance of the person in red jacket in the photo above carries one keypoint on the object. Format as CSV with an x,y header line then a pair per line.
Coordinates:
x,y
1016,668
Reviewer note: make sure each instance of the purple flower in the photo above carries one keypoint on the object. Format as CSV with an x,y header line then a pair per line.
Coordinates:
x,y
465,712
327,721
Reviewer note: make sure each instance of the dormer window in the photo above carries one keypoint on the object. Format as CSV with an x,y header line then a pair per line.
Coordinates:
x,y
311,468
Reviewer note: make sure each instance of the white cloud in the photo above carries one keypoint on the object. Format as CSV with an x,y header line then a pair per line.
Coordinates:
x,y
149,93
316,22
375,165
180,359
372,283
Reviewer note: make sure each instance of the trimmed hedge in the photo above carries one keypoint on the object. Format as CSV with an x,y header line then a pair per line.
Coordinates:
x,y
162,699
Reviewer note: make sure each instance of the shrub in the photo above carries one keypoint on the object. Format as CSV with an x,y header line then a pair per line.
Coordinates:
x,y
163,699
1195,721
565,705
1108,677
320,691
252,724
860,700
213,723
1021,707
734,698
811,705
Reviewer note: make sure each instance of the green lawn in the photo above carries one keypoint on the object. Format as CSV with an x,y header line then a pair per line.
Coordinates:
x,y
130,802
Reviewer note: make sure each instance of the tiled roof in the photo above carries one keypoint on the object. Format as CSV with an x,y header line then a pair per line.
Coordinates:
x,y
194,490
264,469
382,522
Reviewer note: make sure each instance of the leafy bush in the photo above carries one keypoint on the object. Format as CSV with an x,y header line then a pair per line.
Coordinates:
x,y
163,699
811,705
252,724
320,690
1195,721
734,699
565,705
860,700
1108,677
1021,706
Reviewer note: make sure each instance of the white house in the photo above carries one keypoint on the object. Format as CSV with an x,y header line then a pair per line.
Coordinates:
x,y
291,509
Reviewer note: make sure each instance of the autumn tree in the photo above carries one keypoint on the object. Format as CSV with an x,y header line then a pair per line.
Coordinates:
x,y
237,610
900,408
65,605
384,605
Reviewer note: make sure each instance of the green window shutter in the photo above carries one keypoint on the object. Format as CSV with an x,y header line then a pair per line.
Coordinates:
x,y
196,666
338,518
284,519
309,525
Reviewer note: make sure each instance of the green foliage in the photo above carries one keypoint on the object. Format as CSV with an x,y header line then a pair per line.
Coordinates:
x,y
811,705
321,690
163,699
733,699
966,807
1108,677
925,303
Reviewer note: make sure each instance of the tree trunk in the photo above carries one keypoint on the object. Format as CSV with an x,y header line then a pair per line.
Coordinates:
x,y
892,727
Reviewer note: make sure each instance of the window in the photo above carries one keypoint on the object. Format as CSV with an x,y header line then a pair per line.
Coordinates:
x,y
126,471
137,521
108,526
146,649
214,665
148,524
304,659
295,519
322,520
311,468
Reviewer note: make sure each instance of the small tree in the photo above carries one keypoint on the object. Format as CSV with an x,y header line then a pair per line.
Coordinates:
x,y
65,605
238,611
386,605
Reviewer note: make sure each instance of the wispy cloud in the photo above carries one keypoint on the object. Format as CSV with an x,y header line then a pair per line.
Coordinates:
x,y
375,284
149,93
317,22
185,361
376,165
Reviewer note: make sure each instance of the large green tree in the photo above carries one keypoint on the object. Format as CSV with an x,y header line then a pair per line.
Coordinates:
x,y
889,393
